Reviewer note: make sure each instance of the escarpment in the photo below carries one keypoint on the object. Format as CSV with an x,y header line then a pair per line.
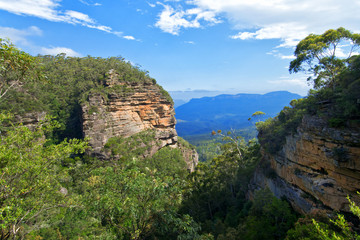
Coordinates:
x,y
128,108
317,167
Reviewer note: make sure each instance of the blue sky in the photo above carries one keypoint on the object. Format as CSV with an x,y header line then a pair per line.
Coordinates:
x,y
233,46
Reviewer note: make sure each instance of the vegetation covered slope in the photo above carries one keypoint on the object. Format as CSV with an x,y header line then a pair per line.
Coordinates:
x,y
49,190
336,92
65,82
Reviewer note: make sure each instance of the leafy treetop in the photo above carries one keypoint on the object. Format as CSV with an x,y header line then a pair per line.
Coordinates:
x,y
16,66
322,56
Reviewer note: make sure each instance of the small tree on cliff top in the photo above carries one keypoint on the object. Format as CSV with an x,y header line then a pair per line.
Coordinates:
x,y
16,67
324,55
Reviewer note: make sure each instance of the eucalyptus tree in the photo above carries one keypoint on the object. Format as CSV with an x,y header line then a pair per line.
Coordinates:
x,y
31,177
16,67
325,56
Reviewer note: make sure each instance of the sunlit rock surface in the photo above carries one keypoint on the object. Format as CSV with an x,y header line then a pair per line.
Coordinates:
x,y
317,168
130,109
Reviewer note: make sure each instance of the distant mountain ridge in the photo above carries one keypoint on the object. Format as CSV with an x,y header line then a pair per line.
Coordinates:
x,y
182,97
201,115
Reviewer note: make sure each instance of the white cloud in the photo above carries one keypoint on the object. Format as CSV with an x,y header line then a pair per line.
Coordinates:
x,y
289,33
102,28
171,20
189,42
291,82
49,10
78,17
243,35
129,37
151,4
57,50
40,8
18,36
90,3
277,54
287,20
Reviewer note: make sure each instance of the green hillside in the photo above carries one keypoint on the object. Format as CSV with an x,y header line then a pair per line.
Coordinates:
x,y
51,189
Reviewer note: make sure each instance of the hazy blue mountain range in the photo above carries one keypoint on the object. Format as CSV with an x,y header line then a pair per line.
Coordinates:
x,y
182,97
202,115
179,102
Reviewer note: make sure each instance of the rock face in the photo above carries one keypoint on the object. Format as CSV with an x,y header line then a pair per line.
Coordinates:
x,y
191,157
316,168
127,109
31,119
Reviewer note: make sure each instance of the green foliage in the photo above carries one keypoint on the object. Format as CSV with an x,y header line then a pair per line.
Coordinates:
x,y
130,147
48,191
234,147
165,94
304,229
216,195
31,177
321,227
208,146
16,67
318,54
344,232
208,149
70,81
337,81
216,191
131,199
256,114
167,161
273,131
340,107
272,214
185,143
131,202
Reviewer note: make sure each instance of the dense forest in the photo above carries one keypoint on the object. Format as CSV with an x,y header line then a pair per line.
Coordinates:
x,y
51,189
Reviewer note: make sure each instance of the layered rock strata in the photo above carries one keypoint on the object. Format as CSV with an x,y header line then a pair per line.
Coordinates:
x,y
128,109
191,157
318,167
31,119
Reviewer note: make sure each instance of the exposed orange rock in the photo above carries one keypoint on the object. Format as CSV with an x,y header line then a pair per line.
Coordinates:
x,y
317,167
141,106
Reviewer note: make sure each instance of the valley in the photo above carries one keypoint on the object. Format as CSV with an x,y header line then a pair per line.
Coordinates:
x,y
93,148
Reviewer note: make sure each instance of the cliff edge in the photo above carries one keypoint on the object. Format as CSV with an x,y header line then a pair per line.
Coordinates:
x,y
317,167
124,109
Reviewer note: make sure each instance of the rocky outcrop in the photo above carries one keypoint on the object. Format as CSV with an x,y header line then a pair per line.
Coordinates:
x,y
30,119
191,157
124,109
318,167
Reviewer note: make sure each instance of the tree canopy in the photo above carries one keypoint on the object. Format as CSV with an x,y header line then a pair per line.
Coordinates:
x,y
16,66
50,190
31,178
325,56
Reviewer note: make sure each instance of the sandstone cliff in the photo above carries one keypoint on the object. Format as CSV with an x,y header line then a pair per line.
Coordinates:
x,y
31,119
128,108
316,168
